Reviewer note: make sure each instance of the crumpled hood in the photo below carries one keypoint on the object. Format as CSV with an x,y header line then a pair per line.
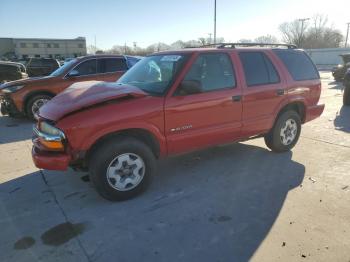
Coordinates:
x,y
25,81
86,94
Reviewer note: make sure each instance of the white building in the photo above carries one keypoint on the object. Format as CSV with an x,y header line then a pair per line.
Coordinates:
x,y
23,48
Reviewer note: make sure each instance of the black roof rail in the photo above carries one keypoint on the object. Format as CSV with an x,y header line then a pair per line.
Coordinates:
x,y
234,45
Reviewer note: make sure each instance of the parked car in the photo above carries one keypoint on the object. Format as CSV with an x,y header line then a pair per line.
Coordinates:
x,y
25,97
41,66
346,93
10,71
339,71
172,103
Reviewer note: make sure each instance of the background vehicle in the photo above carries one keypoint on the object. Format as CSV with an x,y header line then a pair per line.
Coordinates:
x,y
339,71
41,66
346,94
25,97
176,102
10,71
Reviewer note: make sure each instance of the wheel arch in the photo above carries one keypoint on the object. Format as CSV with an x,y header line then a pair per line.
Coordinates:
x,y
297,106
140,134
31,95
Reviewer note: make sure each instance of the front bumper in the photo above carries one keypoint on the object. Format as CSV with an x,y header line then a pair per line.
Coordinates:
x,y
313,112
45,159
50,160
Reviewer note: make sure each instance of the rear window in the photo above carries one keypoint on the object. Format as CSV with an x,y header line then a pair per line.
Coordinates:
x,y
298,64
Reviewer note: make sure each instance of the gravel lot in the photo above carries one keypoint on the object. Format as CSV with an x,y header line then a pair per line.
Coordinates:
x,y
236,202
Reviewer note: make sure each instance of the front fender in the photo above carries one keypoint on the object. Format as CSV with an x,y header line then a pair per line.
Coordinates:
x,y
152,129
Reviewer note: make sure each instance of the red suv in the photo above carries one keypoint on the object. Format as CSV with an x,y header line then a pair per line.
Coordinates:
x,y
175,102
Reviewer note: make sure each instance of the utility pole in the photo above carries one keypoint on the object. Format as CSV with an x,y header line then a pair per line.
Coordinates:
x,y
214,21
347,35
124,48
302,20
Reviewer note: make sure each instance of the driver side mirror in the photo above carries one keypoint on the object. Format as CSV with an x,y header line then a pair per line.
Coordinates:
x,y
189,87
73,73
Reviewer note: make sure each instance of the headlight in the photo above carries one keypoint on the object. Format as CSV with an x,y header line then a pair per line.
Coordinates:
x,y
50,130
12,89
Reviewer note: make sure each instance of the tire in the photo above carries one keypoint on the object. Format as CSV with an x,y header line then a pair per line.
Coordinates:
x,y
36,101
109,163
346,95
275,141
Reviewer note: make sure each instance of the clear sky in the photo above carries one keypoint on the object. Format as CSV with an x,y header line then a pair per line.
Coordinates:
x,y
147,22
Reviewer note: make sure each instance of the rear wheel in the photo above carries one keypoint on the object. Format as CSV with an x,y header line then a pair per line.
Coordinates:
x,y
35,103
285,133
346,95
121,169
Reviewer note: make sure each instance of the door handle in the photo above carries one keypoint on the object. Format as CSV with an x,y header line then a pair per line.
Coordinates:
x,y
236,98
280,92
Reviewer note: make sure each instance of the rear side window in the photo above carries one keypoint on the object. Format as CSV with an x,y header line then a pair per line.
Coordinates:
x,y
258,69
298,64
108,65
35,62
87,67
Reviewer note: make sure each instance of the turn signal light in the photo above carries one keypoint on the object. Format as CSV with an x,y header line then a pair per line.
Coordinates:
x,y
52,145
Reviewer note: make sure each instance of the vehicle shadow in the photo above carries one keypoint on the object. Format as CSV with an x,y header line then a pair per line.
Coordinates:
x,y
14,129
215,204
342,120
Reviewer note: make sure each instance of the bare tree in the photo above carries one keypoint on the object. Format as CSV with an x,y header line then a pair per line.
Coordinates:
x,y
319,22
266,39
245,40
293,32
316,34
203,41
91,49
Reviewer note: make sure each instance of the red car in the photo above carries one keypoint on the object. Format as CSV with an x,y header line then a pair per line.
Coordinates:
x,y
175,102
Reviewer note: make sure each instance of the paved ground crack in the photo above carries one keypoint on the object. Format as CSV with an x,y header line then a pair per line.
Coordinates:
x,y
324,141
63,212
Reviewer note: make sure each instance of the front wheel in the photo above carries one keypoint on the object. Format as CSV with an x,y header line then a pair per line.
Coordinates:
x,y
285,133
122,168
35,103
346,95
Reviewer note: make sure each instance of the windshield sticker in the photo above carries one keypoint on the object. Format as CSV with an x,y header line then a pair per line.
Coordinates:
x,y
170,58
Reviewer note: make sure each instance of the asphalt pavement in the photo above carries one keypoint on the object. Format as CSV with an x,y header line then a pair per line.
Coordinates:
x,y
236,202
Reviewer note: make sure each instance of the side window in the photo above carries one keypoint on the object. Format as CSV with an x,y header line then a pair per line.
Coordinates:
x,y
87,67
109,65
298,64
258,69
212,72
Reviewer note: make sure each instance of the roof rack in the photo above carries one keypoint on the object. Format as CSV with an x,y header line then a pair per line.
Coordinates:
x,y
234,45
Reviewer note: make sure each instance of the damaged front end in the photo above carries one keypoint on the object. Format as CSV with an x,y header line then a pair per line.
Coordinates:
x,y
7,106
